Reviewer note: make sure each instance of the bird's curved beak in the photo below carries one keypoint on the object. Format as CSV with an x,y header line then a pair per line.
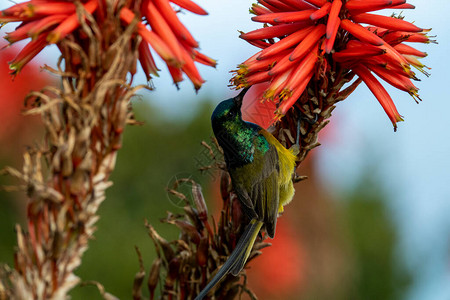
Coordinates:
x,y
240,97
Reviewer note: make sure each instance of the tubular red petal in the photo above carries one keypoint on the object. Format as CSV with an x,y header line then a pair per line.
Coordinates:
x,y
266,63
357,53
70,23
386,22
146,60
303,69
162,29
285,17
190,6
176,74
361,33
270,7
289,102
300,4
172,19
358,6
150,37
281,5
259,44
282,65
320,13
401,36
203,59
403,6
259,10
405,49
277,85
333,18
401,82
28,53
318,3
45,24
21,32
286,43
380,93
390,64
191,71
308,42
51,8
257,78
272,31
414,61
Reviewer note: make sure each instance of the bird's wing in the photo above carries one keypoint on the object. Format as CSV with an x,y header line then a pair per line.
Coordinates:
x,y
258,189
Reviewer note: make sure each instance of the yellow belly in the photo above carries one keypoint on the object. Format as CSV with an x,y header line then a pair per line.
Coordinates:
x,y
287,159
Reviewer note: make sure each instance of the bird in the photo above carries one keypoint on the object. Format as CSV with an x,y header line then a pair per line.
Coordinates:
x,y
261,171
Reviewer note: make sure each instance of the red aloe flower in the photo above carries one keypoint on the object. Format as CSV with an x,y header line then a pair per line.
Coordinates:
x,y
50,21
305,39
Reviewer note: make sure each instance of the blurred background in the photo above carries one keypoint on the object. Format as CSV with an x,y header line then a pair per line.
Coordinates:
x,y
371,222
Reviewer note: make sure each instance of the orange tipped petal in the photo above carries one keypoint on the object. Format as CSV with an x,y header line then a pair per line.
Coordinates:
x,y
304,68
361,33
51,8
45,24
329,43
280,5
358,6
203,59
357,53
282,65
401,82
160,27
257,78
20,33
288,103
308,42
70,23
386,22
403,6
146,60
171,17
277,85
28,53
176,73
272,31
269,6
322,12
333,18
318,3
380,93
149,36
405,49
258,10
191,70
287,42
300,5
285,17
190,6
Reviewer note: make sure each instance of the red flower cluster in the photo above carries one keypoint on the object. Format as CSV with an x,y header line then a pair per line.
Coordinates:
x,y
50,21
302,38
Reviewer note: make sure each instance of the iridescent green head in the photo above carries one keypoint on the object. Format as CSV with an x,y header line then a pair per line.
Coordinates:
x,y
228,110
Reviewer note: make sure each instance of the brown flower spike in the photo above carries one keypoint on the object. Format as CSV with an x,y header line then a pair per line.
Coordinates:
x,y
317,39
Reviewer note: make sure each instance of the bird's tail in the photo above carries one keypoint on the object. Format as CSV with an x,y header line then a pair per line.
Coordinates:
x,y
238,257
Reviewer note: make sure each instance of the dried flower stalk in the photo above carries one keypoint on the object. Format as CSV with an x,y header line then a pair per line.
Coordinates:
x,y
66,178
184,266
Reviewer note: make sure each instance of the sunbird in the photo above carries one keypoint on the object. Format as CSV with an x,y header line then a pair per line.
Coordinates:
x,y
261,171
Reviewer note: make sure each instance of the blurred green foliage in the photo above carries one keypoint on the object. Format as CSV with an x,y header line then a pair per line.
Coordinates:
x,y
379,271
151,156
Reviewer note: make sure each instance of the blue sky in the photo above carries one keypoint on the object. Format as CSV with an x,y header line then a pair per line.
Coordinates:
x,y
413,163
